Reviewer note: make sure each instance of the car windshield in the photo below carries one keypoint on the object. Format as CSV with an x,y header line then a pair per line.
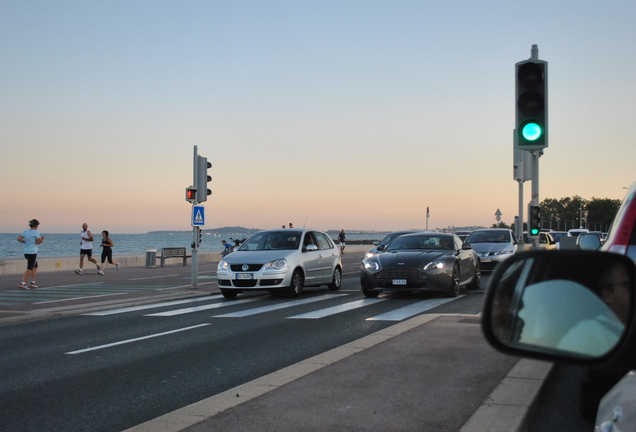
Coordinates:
x,y
272,240
422,242
489,236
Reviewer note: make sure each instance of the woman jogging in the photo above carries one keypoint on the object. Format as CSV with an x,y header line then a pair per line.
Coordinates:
x,y
31,239
107,252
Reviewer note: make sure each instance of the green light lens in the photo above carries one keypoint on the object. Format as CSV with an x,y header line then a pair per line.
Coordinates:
x,y
534,232
532,132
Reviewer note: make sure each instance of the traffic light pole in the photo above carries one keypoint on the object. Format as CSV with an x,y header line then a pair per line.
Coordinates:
x,y
535,192
195,234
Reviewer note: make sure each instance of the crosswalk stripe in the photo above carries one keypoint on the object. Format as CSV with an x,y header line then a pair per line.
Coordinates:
x,y
278,306
151,306
321,313
202,308
410,310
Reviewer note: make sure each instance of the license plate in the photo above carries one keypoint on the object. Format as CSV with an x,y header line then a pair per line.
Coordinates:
x,y
245,275
399,281
485,259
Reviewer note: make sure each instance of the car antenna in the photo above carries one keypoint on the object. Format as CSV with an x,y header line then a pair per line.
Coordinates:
x,y
305,222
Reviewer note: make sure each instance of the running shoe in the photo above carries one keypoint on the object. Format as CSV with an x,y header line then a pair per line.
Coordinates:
x,y
78,271
100,272
23,286
34,285
117,266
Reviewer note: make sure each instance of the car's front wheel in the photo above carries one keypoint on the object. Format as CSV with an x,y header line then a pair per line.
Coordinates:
x,y
454,285
367,292
229,293
297,283
336,281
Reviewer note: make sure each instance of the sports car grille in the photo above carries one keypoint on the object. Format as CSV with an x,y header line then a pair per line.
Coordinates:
x,y
251,267
401,273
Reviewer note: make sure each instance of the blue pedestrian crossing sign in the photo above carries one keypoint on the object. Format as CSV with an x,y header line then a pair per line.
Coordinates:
x,y
198,215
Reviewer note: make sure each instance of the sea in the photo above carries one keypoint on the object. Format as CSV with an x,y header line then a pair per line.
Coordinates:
x,y
69,244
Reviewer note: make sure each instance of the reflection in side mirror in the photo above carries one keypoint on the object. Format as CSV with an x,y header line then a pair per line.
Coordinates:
x,y
380,248
588,241
560,304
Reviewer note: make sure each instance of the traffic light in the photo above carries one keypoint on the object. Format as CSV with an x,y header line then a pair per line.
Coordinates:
x,y
531,104
202,179
534,220
191,194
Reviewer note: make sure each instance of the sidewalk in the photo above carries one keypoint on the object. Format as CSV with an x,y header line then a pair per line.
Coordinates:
x,y
430,373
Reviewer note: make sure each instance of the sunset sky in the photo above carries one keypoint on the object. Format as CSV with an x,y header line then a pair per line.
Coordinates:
x,y
343,114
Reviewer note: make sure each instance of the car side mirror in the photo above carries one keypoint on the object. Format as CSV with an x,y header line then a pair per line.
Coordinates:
x,y
561,305
466,246
588,241
311,247
380,248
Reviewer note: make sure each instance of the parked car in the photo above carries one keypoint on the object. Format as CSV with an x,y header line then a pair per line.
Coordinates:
x,y
422,262
577,231
571,306
556,235
386,240
281,261
546,241
492,245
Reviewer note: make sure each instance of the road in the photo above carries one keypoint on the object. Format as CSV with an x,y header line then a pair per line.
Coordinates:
x,y
112,369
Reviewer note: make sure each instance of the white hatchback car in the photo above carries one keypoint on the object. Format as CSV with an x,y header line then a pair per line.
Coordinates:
x,y
281,261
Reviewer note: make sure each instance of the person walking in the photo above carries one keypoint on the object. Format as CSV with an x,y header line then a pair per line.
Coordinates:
x,y
342,238
86,248
31,239
107,252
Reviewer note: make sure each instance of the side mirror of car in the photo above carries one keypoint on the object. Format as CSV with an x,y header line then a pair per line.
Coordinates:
x,y
588,241
311,247
561,305
466,246
380,248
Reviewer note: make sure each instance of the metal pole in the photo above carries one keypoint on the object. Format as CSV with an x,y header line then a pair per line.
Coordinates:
x,y
195,232
535,189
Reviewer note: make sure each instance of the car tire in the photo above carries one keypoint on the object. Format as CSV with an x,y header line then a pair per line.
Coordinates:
x,y
475,284
367,292
229,293
296,285
336,281
454,286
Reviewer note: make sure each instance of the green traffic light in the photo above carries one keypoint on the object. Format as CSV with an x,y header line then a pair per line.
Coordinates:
x,y
532,132
534,231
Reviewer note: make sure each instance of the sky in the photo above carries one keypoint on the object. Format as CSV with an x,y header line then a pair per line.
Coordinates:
x,y
354,115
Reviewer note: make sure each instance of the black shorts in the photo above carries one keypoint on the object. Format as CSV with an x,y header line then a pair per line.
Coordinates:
x,y
87,252
32,261
107,254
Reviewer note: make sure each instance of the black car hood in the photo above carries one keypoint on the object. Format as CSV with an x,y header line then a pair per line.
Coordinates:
x,y
411,258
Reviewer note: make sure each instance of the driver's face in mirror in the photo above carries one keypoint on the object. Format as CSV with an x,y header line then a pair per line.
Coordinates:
x,y
615,292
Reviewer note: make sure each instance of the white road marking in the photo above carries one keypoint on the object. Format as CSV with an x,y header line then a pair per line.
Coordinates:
x,y
410,310
82,297
151,306
278,306
154,277
136,339
337,309
202,308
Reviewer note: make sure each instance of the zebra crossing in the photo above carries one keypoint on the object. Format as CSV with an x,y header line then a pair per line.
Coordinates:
x,y
60,293
249,307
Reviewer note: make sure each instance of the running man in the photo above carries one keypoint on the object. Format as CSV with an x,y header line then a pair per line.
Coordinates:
x,y
86,248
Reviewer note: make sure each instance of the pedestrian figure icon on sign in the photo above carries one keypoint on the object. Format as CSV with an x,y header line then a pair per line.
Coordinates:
x,y
198,215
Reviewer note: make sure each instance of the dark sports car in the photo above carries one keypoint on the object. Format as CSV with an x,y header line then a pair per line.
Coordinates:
x,y
422,262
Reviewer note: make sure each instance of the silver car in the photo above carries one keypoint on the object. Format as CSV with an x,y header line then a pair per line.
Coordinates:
x,y
281,261
492,245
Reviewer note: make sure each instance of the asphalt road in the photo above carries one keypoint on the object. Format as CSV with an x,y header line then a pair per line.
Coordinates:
x,y
108,371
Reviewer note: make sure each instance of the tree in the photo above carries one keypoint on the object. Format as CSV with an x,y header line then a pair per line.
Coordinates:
x,y
500,225
573,212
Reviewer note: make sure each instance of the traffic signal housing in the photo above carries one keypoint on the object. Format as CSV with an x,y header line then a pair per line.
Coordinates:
x,y
531,79
202,179
191,194
534,220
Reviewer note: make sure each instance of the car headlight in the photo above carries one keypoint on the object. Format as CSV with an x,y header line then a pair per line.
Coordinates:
x,y
372,265
434,265
277,264
504,252
222,265
369,255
